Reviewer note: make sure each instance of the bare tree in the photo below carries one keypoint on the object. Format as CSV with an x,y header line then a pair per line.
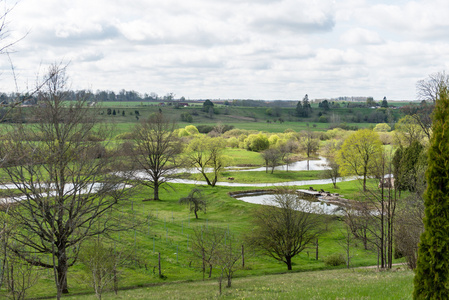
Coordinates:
x,y
309,142
227,256
20,276
204,153
379,211
102,264
66,193
332,171
287,150
286,226
205,245
195,200
157,148
429,89
408,228
272,158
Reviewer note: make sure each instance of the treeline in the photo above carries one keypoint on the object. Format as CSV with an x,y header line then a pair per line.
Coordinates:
x,y
98,96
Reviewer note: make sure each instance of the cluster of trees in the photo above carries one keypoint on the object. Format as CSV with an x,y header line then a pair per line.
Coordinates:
x,y
67,194
304,109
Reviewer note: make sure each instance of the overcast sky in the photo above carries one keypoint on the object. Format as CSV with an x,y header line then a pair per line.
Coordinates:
x,y
244,49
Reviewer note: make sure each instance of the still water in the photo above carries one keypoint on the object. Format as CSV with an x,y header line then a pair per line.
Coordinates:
x,y
267,199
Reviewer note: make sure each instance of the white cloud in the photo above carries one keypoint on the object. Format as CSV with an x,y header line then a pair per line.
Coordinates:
x,y
361,36
270,49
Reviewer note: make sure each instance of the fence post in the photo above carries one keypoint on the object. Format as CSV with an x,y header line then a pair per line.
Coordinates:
x,y
159,263
243,256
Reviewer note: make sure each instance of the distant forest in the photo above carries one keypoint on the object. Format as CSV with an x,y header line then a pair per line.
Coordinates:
x,y
133,96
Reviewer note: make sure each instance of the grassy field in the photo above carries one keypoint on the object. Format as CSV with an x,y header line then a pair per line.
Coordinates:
x,y
260,177
166,227
329,284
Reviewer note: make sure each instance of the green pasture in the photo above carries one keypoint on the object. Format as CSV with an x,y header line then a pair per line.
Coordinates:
x,y
259,177
329,284
166,227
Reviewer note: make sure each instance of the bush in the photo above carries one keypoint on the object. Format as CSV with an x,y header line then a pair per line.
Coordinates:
x,y
334,260
186,117
323,119
205,128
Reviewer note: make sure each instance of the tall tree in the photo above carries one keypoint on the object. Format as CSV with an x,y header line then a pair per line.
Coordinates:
x,y
432,273
299,109
360,153
66,191
157,148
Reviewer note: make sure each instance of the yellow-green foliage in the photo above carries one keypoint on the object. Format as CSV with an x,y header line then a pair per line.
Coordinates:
x,y
382,127
360,153
182,132
191,130
232,142
256,142
337,133
273,139
408,130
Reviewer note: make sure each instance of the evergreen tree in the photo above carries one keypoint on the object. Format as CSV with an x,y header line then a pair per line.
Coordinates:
x,y
384,103
432,272
307,109
299,110
207,105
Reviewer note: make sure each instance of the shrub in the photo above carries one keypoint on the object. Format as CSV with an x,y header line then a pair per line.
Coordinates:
x,y
205,128
186,117
336,259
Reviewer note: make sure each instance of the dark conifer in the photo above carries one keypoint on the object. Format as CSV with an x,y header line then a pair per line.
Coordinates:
x,y
432,273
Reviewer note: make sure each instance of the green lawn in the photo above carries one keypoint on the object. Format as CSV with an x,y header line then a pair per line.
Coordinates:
x,y
166,227
259,177
330,284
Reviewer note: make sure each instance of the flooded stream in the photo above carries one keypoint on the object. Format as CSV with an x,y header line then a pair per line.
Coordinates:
x,y
267,199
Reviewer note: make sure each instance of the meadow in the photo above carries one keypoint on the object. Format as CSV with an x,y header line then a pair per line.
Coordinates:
x,y
167,228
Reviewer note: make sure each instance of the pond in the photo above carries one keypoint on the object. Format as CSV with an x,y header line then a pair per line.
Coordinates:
x,y
267,199
69,189
303,165
311,165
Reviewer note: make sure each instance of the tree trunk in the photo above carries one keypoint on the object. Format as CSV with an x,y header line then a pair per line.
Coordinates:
x,y
288,261
215,180
156,190
205,177
229,280
62,271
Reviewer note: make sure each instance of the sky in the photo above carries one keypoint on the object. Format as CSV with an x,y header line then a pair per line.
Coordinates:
x,y
229,49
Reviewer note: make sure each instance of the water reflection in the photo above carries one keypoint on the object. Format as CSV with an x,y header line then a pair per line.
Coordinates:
x,y
267,199
303,165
